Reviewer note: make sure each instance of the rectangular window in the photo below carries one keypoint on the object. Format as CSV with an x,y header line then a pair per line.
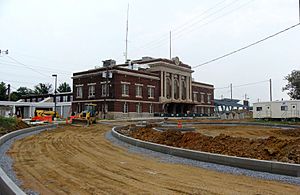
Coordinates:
x,y
150,108
79,92
65,98
91,91
208,98
284,108
125,89
125,107
150,92
138,108
202,98
104,89
258,108
195,96
138,91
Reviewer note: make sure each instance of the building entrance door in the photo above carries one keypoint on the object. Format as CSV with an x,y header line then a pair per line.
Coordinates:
x,y
268,111
294,111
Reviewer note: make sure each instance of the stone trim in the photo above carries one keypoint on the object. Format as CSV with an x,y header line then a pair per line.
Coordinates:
x,y
210,106
202,86
137,75
116,100
126,83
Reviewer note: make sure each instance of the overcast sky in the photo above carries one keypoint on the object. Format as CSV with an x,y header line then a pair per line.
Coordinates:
x,y
65,36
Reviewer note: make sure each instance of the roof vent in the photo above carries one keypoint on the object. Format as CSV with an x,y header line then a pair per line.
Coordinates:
x,y
110,62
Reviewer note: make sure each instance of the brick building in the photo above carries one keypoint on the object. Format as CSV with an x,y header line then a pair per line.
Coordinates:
x,y
142,88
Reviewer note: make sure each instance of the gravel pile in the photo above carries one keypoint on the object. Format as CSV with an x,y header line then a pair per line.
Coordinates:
x,y
221,168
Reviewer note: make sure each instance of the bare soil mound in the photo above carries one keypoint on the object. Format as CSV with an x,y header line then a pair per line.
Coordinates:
x,y
270,148
16,125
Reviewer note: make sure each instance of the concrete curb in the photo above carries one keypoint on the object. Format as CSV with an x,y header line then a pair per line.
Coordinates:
x,y
234,123
246,163
7,186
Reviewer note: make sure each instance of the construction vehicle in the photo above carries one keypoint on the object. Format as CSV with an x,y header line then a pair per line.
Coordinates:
x,y
42,113
87,116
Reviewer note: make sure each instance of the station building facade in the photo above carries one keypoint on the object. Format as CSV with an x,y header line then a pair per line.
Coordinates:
x,y
142,88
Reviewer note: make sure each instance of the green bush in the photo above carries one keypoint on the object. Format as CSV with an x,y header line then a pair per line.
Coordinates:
x,y
7,123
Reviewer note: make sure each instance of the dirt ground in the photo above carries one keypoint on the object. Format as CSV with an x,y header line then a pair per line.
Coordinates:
x,y
264,143
76,160
248,131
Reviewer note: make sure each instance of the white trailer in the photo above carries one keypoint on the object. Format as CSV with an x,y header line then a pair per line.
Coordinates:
x,y
289,109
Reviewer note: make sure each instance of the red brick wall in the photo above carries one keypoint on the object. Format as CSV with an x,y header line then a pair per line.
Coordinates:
x,y
136,80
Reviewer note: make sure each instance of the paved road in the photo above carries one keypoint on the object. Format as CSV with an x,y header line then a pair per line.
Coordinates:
x,y
76,160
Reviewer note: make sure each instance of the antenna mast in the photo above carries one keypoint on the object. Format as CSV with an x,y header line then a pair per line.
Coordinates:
x,y
126,47
170,45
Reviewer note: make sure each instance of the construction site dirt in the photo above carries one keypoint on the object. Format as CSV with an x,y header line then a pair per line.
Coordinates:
x,y
80,160
262,143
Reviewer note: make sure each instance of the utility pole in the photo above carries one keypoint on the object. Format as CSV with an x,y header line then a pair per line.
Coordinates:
x,y
8,91
270,80
231,91
106,91
170,45
126,46
55,91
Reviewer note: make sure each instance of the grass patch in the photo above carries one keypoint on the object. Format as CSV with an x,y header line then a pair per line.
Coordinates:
x,y
7,123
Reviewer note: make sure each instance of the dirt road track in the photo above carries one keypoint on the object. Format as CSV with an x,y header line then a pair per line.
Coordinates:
x,y
74,160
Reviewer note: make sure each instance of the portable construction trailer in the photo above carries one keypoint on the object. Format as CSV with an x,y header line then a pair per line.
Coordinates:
x,y
289,109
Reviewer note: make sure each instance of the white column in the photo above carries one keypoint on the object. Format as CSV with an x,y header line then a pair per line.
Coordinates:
x,y
14,110
191,88
30,111
172,80
161,84
165,84
180,88
61,111
187,87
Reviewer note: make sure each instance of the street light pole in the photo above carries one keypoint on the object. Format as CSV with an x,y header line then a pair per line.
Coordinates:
x,y
55,75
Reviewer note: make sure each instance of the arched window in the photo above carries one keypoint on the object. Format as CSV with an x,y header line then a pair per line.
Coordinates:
x,y
169,88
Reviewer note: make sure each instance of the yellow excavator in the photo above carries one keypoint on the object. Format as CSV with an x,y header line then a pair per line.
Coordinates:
x,y
41,113
87,116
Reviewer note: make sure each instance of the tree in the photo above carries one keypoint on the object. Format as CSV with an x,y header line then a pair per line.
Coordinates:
x,y
21,91
64,87
15,96
24,91
42,88
293,86
3,90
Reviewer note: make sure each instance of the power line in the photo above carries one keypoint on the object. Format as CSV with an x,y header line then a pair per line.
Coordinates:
x,y
10,63
242,85
196,18
22,82
245,47
166,36
27,66
213,20
191,29
247,84
212,14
